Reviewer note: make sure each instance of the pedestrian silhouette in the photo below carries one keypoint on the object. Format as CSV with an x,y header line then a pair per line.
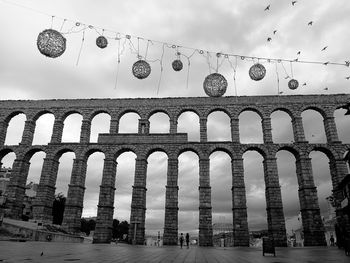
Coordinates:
x,y
181,240
332,240
187,240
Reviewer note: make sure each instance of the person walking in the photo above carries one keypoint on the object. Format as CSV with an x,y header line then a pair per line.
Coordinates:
x,y
331,241
187,240
181,240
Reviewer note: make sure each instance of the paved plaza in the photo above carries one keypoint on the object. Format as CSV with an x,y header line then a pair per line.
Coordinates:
x,y
74,252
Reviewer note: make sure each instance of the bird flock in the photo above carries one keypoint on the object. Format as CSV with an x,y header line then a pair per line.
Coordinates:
x,y
310,23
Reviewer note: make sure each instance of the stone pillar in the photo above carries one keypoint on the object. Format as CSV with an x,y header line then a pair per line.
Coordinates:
x,y
205,209
203,129
170,236
143,126
235,130
16,188
239,204
85,131
3,130
57,131
173,125
298,129
138,204
42,207
104,221
267,129
274,206
310,212
114,126
75,197
331,130
28,132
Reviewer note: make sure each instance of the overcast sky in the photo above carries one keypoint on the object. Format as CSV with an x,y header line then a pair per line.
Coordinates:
x,y
227,26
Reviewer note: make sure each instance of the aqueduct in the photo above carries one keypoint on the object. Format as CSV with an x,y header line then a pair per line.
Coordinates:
x,y
143,143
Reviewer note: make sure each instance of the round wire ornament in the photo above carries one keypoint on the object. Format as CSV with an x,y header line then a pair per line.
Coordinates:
x,y
257,72
141,69
101,42
293,84
51,43
177,65
215,85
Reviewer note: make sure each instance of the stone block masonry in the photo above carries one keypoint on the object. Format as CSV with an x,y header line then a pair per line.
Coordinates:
x,y
143,143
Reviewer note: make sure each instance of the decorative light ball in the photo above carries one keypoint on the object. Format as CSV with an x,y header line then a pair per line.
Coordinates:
x,y
293,84
257,72
215,85
101,42
177,65
141,69
51,43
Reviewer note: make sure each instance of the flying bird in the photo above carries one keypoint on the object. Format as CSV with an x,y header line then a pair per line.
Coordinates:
x,y
42,253
324,48
281,92
286,77
296,59
347,63
269,39
294,2
274,32
347,78
326,88
326,63
310,23
298,53
267,8
304,84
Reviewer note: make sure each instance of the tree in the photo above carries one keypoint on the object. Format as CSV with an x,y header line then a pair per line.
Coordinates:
x,y
120,229
58,209
87,226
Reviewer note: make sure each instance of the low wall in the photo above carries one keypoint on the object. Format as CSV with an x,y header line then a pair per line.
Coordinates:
x,y
41,235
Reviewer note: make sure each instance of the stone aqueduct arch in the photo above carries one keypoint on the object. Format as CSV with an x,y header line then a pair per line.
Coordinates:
x,y
173,144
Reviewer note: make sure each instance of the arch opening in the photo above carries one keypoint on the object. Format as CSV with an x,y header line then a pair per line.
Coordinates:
x,y
15,129
219,126
72,128
289,190
43,129
255,194
342,122
99,124
129,123
313,126
221,197
155,201
159,123
282,130
250,128
188,217
188,122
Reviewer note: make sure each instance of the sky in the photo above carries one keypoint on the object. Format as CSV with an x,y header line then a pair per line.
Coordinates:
x,y
155,27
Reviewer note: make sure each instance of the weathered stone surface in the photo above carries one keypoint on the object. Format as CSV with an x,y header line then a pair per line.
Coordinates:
x,y
173,144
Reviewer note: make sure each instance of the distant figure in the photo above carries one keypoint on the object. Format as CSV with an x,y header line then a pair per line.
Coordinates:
x,y
332,241
187,240
181,240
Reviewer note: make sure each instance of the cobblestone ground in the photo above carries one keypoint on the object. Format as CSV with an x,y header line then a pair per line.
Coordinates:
x,y
72,252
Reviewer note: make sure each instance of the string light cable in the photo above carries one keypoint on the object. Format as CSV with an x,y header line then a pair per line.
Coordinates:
x,y
80,26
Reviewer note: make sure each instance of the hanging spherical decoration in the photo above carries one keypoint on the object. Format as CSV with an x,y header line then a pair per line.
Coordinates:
x,y
215,85
257,72
177,65
141,69
293,84
101,42
51,43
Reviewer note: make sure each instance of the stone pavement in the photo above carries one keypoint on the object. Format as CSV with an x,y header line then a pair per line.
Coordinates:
x,y
76,252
